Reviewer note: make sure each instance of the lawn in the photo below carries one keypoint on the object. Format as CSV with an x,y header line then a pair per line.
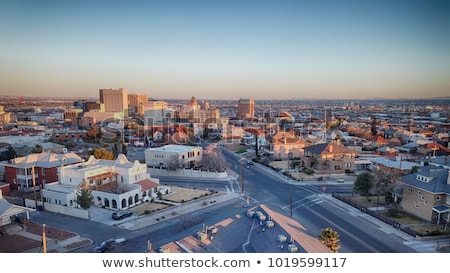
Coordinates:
x,y
405,218
180,194
369,202
177,195
149,207
401,217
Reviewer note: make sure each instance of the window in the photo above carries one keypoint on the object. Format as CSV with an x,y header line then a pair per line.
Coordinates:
x,y
416,205
421,197
418,192
438,198
409,189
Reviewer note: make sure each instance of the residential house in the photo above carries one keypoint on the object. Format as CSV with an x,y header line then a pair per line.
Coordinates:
x,y
328,158
426,194
433,149
388,151
8,211
441,161
286,145
44,166
396,165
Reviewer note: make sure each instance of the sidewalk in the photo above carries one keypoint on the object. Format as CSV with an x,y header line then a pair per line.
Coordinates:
x,y
175,211
55,246
419,246
28,239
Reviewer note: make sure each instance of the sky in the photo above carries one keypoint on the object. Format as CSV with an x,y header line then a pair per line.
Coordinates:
x,y
318,49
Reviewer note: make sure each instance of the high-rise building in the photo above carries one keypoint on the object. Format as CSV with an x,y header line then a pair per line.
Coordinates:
x,y
136,102
154,112
115,100
246,108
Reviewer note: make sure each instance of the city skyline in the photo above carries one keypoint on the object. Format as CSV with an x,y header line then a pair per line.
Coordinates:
x,y
227,49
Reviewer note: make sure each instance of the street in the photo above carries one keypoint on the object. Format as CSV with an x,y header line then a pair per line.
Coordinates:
x,y
310,204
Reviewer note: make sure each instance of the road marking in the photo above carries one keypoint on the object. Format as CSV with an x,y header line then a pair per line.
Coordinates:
x,y
307,201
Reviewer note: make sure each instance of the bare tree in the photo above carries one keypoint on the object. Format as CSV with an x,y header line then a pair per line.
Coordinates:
x,y
174,163
384,182
213,159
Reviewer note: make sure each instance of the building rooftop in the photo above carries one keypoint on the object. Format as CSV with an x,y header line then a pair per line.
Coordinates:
x,y
174,148
437,183
46,160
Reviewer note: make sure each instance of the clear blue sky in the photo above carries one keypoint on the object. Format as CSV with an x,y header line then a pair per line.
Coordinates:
x,y
226,49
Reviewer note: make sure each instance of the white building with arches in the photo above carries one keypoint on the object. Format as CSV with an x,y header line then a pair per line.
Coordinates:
x,y
114,184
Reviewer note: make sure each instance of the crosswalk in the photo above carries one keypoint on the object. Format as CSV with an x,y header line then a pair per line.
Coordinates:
x,y
233,186
308,201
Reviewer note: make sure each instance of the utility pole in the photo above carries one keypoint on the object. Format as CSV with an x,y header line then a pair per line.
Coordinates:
x,y
290,200
242,178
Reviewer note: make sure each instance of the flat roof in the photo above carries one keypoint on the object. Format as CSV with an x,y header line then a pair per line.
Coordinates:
x,y
174,148
397,164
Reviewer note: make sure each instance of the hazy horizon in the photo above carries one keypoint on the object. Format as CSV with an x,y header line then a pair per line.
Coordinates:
x,y
225,50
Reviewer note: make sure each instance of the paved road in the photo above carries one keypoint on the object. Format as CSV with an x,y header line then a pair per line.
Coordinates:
x,y
311,205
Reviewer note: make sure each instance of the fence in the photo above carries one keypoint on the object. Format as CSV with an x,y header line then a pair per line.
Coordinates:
x,y
344,197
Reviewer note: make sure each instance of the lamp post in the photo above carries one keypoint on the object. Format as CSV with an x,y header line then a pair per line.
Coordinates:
x,y
290,200
44,239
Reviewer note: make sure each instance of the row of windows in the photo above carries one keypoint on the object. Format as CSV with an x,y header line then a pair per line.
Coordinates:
x,y
190,154
423,178
419,193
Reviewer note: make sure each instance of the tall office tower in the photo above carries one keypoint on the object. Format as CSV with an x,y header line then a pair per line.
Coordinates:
x,y
246,108
115,100
155,112
136,102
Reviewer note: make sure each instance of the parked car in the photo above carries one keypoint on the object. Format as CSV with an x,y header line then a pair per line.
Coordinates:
x,y
250,162
118,215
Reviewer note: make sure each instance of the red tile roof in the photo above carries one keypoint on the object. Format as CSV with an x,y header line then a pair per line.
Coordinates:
x,y
147,184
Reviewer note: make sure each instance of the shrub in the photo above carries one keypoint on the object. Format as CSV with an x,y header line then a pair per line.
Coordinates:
x,y
392,213
308,171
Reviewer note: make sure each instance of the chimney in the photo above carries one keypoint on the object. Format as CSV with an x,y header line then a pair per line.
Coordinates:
x,y
330,147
